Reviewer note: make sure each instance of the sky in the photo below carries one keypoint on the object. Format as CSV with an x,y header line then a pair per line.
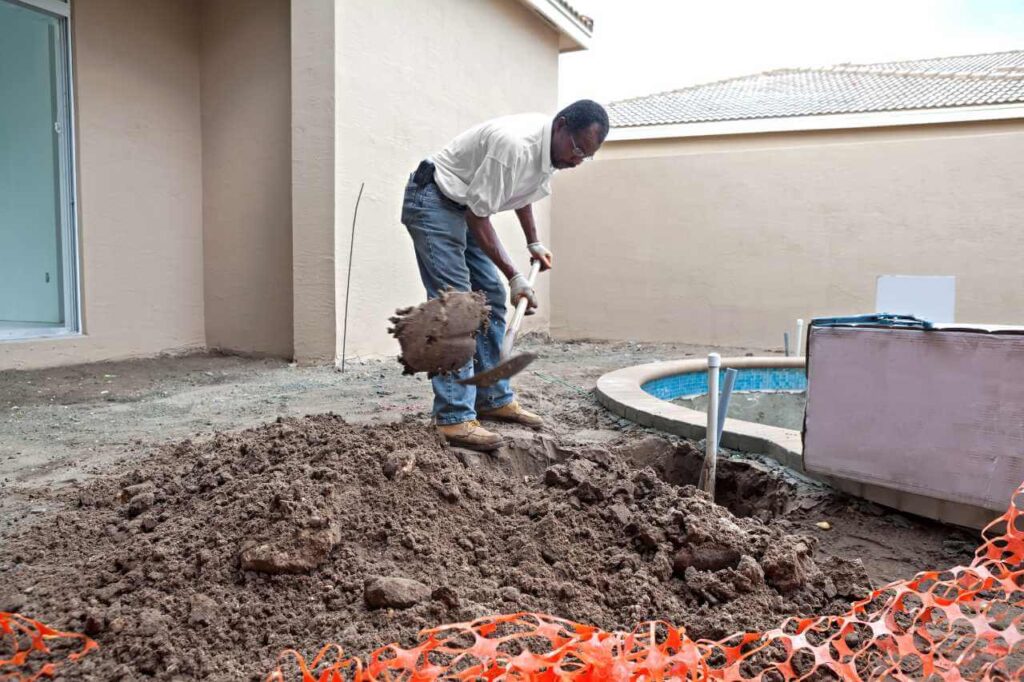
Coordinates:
x,y
646,46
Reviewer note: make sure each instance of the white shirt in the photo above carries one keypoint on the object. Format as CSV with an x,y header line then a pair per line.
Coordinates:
x,y
500,165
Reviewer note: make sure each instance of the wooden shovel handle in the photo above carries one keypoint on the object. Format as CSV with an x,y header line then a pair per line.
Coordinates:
x,y
517,316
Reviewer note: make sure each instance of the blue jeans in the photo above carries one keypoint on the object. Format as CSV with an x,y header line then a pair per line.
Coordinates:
x,y
448,256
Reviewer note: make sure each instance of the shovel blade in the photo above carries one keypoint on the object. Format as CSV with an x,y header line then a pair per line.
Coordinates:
x,y
503,370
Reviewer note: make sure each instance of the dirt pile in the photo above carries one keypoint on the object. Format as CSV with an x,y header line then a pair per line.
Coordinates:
x,y
215,556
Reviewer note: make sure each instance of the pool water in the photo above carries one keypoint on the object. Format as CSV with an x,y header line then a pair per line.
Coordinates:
x,y
775,408
770,395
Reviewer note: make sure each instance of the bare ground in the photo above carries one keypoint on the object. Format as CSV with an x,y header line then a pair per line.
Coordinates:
x,y
70,434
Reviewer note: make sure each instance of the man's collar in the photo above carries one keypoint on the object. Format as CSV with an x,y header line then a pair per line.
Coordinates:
x,y
545,152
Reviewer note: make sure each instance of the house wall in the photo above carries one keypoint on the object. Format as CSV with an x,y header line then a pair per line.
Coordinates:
x,y
407,82
140,184
728,240
246,118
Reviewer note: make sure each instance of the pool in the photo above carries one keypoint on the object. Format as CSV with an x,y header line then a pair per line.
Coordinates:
x,y
770,395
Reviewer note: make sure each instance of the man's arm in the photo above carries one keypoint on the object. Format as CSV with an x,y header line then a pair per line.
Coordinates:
x,y
537,249
484,234
487,238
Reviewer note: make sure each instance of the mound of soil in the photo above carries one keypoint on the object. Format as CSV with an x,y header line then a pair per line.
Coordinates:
x,y
215,556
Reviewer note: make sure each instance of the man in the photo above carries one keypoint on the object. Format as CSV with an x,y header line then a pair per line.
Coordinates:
x,y
502,165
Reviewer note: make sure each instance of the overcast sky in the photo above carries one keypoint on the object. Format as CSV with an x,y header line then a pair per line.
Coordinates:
x,y
646,46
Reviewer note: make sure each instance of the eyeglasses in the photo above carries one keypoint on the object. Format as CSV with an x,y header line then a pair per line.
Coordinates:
x,y
577,151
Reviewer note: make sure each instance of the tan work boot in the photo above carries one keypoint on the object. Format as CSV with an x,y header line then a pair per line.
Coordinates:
x,y
515,414
471,435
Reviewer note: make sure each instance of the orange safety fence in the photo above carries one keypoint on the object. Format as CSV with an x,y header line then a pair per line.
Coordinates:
x,y
25,643
962,624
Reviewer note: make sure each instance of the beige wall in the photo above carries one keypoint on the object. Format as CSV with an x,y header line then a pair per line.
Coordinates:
x,y
313,179
246,118
409,82
728,240
140,186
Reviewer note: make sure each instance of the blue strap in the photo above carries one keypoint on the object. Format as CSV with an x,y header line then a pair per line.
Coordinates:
x,y
874,320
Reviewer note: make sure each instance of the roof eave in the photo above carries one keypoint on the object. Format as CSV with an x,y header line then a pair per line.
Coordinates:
x,y
573,35
873,119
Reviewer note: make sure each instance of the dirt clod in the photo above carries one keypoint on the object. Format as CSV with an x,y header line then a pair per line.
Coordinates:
x,y
396,593
440,335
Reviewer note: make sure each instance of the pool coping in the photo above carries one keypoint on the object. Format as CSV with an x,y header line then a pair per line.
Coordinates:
x,y
621,391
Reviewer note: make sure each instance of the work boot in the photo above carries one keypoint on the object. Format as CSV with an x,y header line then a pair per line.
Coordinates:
x,y
471,435
515,414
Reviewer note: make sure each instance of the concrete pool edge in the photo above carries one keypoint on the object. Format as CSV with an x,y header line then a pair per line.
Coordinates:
x,y
621,391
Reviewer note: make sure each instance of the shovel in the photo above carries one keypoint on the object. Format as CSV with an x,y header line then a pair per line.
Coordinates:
x,y
509,365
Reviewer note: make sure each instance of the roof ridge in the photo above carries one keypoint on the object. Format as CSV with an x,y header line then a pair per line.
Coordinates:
x,y
695,85
866,68
931,59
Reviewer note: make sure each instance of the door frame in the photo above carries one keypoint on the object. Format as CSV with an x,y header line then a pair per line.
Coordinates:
x,y
71,304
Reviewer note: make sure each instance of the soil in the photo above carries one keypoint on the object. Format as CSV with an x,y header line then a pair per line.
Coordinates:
x,y
440,335
205,556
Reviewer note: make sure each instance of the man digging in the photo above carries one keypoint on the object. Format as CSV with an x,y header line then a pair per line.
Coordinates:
x,y
504,164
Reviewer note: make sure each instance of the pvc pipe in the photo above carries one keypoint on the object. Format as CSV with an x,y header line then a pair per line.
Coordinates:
x,y
723,402
711,448
785,343
799,336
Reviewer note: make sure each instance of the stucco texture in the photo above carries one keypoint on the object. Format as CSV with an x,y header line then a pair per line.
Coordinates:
x,y
246,114
412,80
729,240
140,184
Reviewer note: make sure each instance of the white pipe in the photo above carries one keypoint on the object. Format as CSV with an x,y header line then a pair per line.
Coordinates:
x,y
799,336
711,440
723,401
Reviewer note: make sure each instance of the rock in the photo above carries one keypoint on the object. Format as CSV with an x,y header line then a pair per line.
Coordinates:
x,y
446,596
620,514
649,537
598,456
705,558
95,622
587,492
300,554
787,565
202,610
131,491
394,593
824,525
140,503
511,594
750,569
12,602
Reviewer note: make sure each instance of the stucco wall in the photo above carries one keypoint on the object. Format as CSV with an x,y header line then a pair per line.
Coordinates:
x,y
140,184
313,179
728,240
409,81
246,118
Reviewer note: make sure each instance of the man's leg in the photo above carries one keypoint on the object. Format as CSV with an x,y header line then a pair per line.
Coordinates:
x,y
484,277
496,401
439,232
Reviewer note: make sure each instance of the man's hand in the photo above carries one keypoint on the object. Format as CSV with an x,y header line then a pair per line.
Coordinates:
x,y
540,252
518,287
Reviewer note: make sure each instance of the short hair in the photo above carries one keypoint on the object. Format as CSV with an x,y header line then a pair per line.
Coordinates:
x,y
584,113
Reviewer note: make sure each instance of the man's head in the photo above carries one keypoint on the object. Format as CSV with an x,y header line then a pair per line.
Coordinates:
x,y
577,133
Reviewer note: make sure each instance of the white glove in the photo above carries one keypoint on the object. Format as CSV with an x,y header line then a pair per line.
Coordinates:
x,y
540,252
518,287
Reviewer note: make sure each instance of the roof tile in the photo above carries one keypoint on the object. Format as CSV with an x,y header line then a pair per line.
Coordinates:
x,y
970,80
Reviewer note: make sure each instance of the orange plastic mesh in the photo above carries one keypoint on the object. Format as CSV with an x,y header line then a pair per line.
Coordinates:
x,y
28,657
962,624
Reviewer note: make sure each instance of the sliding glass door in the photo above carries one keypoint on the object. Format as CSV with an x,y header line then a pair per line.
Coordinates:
x,y
38,264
